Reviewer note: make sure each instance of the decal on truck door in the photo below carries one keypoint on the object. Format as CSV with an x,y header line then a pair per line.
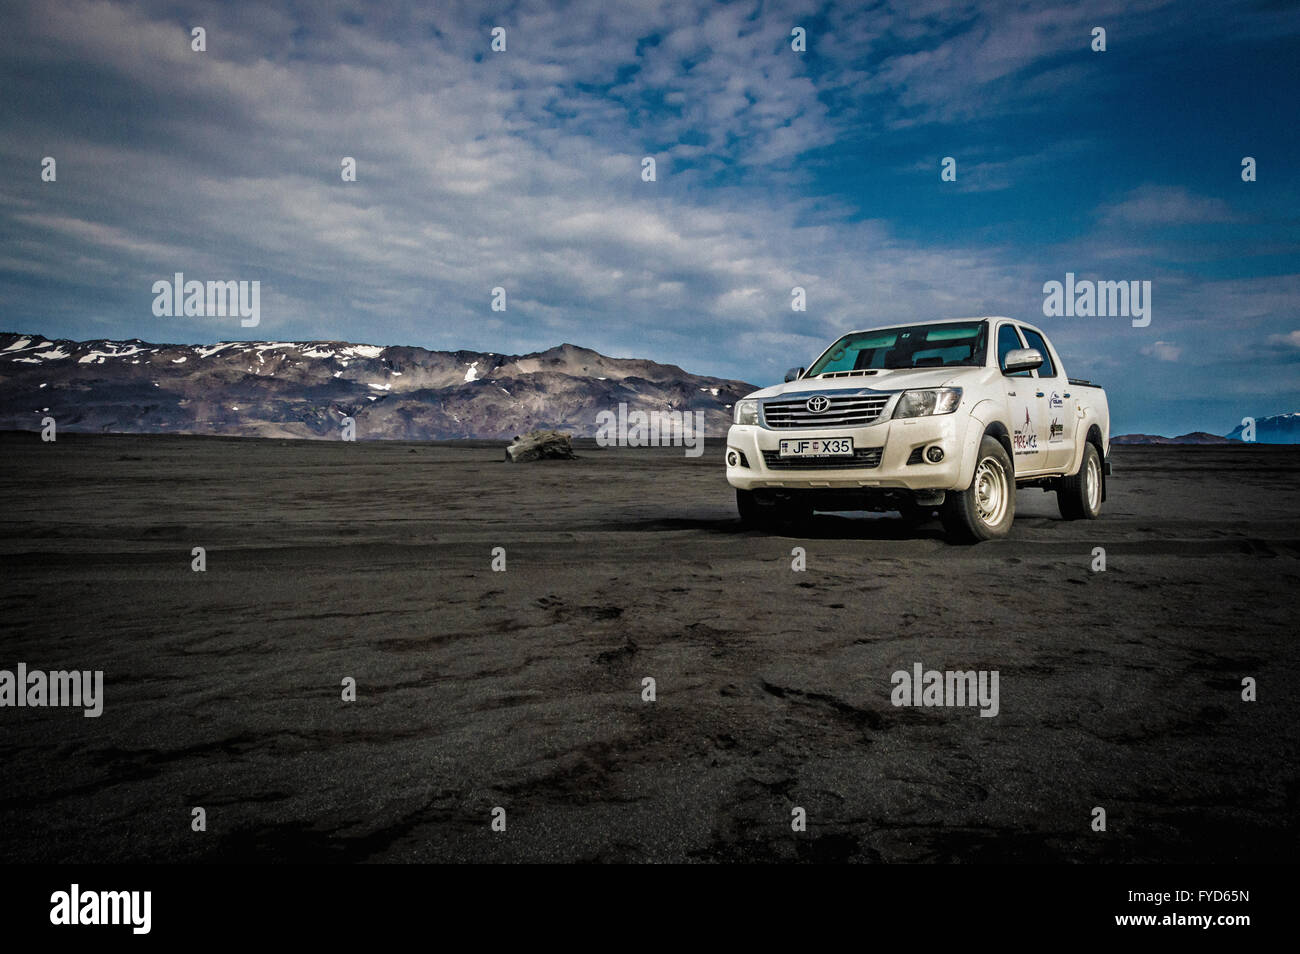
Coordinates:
x,y
1023,438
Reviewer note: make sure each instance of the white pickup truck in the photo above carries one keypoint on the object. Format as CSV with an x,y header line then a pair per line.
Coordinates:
x,y
949,415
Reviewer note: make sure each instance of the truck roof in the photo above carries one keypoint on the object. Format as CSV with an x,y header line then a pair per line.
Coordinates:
x,y
943,321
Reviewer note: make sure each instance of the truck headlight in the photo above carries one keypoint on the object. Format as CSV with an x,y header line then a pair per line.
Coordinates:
x,y
746,412
924,403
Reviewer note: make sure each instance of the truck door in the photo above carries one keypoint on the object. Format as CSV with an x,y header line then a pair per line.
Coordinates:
x,y
1028,427
1053,393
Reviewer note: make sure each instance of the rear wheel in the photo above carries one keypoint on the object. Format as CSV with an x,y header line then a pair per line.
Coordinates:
x,y
985,509
1079,496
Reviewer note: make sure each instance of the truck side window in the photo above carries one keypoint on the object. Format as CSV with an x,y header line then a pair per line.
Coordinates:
x,y
1008,340
1035,340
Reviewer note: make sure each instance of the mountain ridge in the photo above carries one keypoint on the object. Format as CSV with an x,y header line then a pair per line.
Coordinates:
x,y
1271,429
307,388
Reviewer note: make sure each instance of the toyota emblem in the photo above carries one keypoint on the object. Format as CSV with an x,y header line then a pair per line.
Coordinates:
x,y
818,403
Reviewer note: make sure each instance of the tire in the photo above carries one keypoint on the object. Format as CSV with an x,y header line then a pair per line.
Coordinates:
x,y
986,509
753,515
771,513
1079,496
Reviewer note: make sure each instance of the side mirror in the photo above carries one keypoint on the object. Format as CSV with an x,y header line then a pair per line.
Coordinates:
x,y
794,374
1021,359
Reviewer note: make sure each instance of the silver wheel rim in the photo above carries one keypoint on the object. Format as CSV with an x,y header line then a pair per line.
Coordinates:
x,y
990,489
1094,484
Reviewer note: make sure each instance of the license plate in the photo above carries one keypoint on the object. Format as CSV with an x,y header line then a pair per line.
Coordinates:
x,y
817,447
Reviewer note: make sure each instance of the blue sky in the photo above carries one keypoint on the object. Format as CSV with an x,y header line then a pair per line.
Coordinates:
x,y
521,169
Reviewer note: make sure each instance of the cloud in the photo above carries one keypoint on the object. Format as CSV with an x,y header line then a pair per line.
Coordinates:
x,y
1167,205
474,170
1162,351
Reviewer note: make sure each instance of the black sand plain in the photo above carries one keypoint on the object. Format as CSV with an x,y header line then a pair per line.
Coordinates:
x,y
523,689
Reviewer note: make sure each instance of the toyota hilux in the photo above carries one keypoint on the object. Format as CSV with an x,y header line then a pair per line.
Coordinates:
x,y
949,416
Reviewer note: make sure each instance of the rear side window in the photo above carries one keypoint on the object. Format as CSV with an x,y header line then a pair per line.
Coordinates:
x,y
1035,340
1008,340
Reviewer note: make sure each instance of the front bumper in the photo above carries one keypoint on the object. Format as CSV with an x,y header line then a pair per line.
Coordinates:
x,y
898,441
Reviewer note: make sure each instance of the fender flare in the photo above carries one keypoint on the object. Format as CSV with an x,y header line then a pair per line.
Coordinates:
x,y
1090,433
984,419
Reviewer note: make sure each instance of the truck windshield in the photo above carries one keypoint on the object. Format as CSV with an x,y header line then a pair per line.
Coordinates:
x,y
914,346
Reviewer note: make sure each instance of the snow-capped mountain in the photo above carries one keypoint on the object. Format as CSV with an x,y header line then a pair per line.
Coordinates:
x,y
305,389
1277,429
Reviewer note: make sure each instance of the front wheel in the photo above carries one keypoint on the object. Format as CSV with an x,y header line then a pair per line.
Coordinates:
x,y
985,509
1079,496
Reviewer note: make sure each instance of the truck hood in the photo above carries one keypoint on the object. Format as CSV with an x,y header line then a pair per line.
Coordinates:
x,y
882,380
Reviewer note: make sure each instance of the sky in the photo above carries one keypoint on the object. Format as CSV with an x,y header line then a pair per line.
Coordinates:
x,y
774,168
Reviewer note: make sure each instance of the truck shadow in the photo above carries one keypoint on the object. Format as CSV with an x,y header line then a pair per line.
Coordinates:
x,y
822,526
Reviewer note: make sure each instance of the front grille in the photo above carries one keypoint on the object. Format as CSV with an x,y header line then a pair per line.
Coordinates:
x,y
863,457
848,411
